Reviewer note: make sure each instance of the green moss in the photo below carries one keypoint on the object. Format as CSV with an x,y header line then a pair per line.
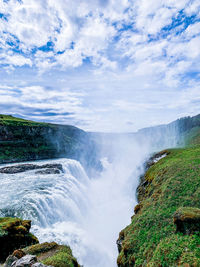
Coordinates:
x,y
151,238
187,213
63,258
7,224
40,248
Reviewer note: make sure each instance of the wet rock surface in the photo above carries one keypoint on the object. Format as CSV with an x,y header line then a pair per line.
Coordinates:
x,y
25,261
48,168
49,171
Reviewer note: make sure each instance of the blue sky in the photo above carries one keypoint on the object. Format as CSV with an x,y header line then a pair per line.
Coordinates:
x,y
102,65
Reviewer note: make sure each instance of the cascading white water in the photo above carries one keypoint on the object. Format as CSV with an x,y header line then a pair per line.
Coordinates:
x,y
70,208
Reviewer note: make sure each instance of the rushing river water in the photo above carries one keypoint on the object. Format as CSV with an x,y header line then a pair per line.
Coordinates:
x,y
71,208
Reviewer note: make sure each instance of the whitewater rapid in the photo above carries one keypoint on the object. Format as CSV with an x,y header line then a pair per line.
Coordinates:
x,y
71,208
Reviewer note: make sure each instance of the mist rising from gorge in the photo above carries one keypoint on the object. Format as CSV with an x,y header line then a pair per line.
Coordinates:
x,y
84,211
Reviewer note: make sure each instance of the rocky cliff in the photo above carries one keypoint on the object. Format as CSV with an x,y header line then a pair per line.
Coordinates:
x,y
23,140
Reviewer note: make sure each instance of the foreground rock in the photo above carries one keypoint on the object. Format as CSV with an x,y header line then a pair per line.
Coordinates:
x,y
14,234
25,261
52,254
48,168
187,220
42,255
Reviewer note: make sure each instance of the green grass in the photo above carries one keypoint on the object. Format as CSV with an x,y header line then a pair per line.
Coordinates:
x,y
38,249
63,258
6,223
151,238
9,120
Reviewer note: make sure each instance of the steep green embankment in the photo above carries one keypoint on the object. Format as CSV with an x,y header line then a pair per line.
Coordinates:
x,y
22,140
155,236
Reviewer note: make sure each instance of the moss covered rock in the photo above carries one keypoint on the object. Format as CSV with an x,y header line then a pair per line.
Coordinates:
x,y
187,220
53,254
14,234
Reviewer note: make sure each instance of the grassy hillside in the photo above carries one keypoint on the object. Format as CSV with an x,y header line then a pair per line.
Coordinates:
x,y
152,238
9,120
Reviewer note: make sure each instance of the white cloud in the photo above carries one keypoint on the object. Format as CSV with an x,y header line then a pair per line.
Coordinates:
x,y
17,60
117,47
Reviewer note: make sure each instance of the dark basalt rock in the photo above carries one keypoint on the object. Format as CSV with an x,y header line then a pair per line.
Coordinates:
x,y
30,167
14,234
187,220
48,171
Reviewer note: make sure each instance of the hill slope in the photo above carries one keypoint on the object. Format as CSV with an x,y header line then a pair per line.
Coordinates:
x,y
170,189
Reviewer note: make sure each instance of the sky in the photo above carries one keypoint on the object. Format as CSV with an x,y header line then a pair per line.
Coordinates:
x,y
101,65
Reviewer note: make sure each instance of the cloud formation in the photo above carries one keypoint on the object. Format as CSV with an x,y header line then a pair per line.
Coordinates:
x,y
149,46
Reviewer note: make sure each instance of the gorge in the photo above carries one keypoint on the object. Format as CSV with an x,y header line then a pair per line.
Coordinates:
x,y
83,193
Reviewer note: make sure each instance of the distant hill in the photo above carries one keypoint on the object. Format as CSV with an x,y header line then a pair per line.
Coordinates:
x,y
23,140
178,133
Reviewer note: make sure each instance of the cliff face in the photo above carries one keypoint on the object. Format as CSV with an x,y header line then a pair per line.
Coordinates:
x,y
165,229
22,140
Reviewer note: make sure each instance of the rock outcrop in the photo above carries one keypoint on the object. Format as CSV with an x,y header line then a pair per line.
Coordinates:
x,y
46,168
53,254
187,220
14,234
25,261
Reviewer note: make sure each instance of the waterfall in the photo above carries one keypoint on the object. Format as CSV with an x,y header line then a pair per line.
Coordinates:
x,y
71,208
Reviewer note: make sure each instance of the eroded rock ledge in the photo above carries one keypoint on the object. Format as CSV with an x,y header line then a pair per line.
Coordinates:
x,y
52,168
